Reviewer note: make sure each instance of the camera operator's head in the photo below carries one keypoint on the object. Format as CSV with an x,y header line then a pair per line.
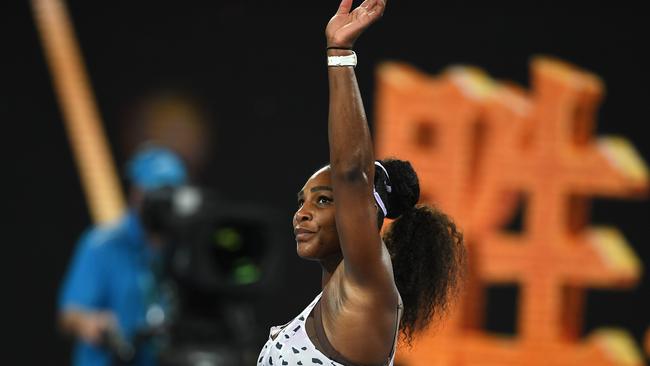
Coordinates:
x,y
151,168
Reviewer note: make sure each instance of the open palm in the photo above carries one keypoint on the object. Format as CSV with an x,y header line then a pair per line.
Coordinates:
x,y
345,26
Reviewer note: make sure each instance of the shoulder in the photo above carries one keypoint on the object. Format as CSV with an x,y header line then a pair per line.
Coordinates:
x,y
100,238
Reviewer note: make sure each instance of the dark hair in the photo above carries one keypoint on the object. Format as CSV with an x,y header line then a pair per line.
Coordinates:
x,y
425,245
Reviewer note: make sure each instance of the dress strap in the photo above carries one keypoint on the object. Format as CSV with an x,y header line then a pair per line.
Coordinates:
x,y
309,307
400,309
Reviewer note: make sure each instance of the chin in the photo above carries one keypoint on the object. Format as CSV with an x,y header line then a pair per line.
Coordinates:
x,y
307,250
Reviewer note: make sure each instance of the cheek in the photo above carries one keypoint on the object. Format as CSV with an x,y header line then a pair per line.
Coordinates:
x,y
322,245
330,236
328,226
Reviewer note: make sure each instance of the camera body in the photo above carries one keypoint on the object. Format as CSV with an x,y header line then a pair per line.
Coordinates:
x,y
217,258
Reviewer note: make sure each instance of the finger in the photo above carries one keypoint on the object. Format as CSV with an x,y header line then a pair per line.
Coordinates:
x,y
344,7
372,14
377,7
368,4
370,8
376,13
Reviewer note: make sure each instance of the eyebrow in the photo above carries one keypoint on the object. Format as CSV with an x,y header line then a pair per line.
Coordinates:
x,y
315,189
321,188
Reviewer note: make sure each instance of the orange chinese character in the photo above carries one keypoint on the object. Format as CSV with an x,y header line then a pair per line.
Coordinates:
x,y
482,148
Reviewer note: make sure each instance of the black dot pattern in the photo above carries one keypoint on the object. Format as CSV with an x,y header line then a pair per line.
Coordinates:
x,y
289,344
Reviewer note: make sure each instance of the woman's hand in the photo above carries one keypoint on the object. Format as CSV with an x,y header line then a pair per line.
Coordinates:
x,y
345,26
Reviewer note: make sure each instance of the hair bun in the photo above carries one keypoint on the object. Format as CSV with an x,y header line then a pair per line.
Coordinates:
x,y
405,187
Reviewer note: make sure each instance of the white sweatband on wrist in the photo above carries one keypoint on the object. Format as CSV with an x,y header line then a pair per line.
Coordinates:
x,y
347,60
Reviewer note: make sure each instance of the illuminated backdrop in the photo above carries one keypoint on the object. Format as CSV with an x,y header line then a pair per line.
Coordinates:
x,y
485,150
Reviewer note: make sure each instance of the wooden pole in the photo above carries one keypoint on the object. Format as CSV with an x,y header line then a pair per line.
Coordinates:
x,y
81,117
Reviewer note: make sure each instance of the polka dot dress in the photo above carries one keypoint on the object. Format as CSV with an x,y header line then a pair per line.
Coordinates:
x,y
289,344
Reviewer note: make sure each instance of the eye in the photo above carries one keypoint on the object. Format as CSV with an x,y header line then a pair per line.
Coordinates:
x,y
300,202
323,200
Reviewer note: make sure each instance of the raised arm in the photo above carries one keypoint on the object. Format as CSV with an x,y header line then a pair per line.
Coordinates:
x,y
351,151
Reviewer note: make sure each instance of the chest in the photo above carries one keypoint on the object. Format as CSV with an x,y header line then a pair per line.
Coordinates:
x,y
129,279
290,345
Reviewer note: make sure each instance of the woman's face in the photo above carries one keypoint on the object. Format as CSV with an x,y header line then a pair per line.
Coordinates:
x,y
313,224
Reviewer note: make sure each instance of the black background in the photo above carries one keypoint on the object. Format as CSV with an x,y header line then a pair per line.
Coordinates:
x,y
259,66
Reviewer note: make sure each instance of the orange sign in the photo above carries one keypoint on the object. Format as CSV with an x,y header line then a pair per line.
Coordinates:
x,y
481,148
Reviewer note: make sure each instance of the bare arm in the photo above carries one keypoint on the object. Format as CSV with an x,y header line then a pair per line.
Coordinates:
x,y
351,154
359,314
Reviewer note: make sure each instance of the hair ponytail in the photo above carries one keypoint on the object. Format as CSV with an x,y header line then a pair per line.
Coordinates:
x,y
428,263
426,248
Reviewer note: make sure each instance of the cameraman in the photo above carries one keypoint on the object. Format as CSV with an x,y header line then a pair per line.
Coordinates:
x,y
110,287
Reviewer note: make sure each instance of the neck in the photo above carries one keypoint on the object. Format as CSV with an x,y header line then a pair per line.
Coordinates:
x,y
329,266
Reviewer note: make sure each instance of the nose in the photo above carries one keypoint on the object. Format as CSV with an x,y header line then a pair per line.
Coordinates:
x,y
302,214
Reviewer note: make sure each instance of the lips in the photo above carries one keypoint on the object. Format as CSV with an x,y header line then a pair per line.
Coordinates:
x,y
303,234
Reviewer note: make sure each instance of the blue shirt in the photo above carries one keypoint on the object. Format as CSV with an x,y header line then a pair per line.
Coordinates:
x,y
111,270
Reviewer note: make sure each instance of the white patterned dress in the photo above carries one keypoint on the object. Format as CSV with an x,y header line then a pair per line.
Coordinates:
x,y
289,344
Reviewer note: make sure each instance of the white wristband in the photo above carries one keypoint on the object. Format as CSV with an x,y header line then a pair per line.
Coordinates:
x,y
347,60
